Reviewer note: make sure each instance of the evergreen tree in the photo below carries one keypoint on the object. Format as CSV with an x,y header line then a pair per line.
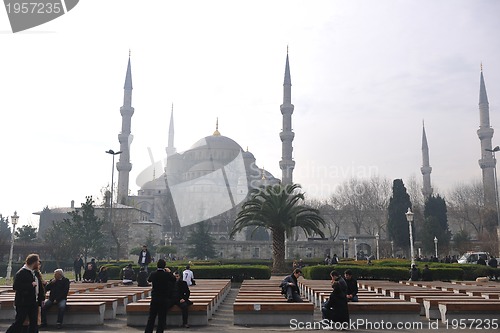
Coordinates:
x,y
26,233
397,225
82,233
202,241
435,224
5,233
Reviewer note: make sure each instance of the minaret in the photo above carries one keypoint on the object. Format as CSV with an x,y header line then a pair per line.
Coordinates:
x,y
125,138
426,168
485,134
170,148
286,135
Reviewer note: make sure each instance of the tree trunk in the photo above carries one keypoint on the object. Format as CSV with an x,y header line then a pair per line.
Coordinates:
x,y
279,265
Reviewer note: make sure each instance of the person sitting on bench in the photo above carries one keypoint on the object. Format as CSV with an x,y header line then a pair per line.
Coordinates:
x,y
290,288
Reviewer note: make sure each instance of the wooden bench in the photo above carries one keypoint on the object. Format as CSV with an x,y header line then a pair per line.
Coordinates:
x,y
478,310
393,312
137,314
431,304
79,313
271,313
110,309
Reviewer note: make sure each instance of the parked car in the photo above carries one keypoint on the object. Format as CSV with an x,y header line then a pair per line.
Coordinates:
x,y
472,257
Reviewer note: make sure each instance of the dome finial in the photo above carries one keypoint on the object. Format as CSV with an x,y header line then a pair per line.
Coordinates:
x,y
263,173
217,133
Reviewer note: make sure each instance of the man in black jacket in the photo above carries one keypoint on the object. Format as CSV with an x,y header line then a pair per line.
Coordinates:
x,y
144,258
352,286
161,296
181,298
290,288
59,288
26,287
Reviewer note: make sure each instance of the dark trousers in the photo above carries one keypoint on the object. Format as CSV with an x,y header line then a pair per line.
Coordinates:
x,y
184,310
157,309
78,275
21,313
292,295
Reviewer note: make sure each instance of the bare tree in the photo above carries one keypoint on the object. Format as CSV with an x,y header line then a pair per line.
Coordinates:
x,y
466,202
363,203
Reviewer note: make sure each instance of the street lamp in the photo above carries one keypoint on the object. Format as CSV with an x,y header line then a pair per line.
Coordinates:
x,y
409,217
377,237
343,248
14,219
436,245
493,151
355,249
112,186
392,248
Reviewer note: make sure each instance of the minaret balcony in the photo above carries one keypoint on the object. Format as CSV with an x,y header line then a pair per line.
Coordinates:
x,y
123,166
487,163
287,136
127,111
287,164
286,108
485,133
426,170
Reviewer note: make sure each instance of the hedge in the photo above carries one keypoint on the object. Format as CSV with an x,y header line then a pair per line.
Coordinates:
x,y
462,272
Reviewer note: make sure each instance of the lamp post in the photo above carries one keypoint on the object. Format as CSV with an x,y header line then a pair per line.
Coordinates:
x,y
493,151
166,239
377,237
392,248
111,152
409,217
343,248
355,249
14,219
436,246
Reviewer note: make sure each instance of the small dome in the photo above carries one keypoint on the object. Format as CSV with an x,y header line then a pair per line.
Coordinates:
x,y
156,184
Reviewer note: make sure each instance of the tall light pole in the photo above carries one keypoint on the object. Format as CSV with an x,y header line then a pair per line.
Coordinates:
x,y
355,249
392,248
112,186
14,219
436,245
343,249
409,218
377,237
493,151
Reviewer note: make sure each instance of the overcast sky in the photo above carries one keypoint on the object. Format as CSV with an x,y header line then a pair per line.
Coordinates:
x,y
364,74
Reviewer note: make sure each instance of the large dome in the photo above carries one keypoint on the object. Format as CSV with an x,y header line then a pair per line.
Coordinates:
x,y
216,142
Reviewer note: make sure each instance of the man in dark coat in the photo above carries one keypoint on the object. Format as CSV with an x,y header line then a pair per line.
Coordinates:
x,y
426,273
26,287
161,296
290,288
414,273
144,258
77,267
336,309
352,286
337,277
59,288
181,298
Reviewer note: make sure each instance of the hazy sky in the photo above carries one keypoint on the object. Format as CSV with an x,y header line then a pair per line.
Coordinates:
x,y
364,74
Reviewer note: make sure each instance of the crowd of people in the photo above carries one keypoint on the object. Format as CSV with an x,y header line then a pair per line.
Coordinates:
x,y
168,289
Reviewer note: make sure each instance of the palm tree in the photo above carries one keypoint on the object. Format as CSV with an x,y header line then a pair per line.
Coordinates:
x,y
279,208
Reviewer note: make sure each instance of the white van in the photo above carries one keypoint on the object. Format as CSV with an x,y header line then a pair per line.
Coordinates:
x,y
472,257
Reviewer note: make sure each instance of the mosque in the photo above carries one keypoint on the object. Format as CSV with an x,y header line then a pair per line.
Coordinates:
x,y
209,182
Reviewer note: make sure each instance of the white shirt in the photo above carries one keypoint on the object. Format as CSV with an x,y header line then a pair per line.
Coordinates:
x,y
187,276
144,257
